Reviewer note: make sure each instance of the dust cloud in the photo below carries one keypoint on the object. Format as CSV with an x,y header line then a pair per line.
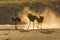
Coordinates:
x,y
51,21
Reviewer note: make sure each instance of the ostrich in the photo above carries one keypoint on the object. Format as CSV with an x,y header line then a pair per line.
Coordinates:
x,y
16,19
32,19
40,20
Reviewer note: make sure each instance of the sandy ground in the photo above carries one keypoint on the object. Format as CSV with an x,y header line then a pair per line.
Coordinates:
x,y
30,35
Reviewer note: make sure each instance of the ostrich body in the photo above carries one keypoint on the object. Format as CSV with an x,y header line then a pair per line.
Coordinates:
x,y
40,20
16,19
32,19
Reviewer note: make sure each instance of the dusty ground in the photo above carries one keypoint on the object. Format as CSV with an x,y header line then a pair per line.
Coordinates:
x,y
29,35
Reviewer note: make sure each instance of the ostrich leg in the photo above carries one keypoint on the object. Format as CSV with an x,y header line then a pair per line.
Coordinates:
x,y
41,26
38,25
16,25
33,25
29,25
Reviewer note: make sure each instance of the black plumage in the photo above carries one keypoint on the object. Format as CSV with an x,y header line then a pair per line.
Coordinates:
x,y
16,19
31,17
40,19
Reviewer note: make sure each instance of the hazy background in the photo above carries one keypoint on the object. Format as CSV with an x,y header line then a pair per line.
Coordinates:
x,y
49,9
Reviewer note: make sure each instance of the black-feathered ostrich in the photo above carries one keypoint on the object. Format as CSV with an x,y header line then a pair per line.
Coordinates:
x,y
16,19
40,20
32,19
